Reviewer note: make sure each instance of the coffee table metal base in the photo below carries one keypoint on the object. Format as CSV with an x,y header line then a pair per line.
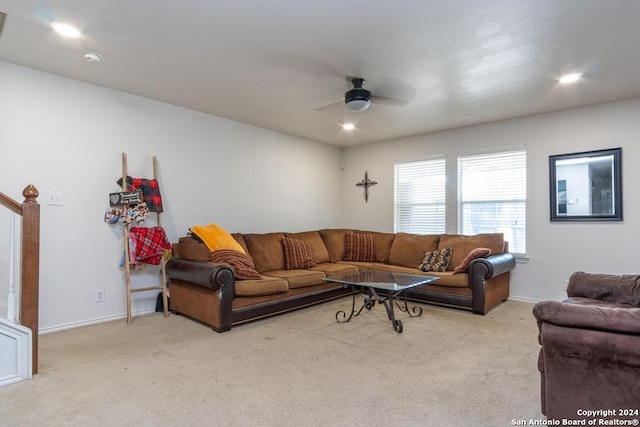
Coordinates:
x,y
387,298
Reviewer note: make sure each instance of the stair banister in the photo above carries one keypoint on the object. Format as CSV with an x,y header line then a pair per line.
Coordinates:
x,y
30,262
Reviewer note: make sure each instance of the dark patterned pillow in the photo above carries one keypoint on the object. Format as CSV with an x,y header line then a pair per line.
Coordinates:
x,y
436,260
359,247
242,264
297,254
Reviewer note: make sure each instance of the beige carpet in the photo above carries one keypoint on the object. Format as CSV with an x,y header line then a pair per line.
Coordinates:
x,y
448,368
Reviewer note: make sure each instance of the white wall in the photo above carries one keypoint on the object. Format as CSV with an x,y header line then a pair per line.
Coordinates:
x,y
555,250
66,136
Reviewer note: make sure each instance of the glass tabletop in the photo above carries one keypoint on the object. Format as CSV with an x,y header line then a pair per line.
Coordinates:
x,y
382,280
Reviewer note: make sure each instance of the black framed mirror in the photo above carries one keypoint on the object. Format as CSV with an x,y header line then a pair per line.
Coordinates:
x,y
586,186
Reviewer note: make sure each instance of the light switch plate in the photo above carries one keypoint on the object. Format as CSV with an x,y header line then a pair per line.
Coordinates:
x,y
54,198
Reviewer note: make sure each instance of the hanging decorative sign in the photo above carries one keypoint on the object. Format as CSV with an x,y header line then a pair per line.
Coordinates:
x,y
125,198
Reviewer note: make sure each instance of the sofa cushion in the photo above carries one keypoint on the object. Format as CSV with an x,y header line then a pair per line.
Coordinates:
x,y
408,250
383,242
362,266
437,260
318,248
191,249
623,289
215,237
596,302
265,285
299,278
297,254
266,251
359,247
473,254
445,279
333,270
462,245
242,264
240,239
334,241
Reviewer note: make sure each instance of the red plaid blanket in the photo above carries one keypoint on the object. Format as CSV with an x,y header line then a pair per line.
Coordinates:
x,y
150,191
150,244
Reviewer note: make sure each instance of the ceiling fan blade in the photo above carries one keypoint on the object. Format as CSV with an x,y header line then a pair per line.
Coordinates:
x,y
2,16
333,104
391,102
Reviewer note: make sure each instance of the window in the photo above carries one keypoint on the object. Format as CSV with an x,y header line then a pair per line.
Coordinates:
x,y
492,196
419,196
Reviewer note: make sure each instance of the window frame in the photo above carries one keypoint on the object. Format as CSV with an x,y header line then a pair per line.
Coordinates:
x,y
440,163
517,229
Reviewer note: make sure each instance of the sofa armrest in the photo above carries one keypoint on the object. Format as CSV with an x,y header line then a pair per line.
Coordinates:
x,y
491,266
485,292
207,274
605,287
600,318
590,357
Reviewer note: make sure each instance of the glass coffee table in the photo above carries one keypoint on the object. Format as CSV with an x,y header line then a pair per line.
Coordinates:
x,y
386,288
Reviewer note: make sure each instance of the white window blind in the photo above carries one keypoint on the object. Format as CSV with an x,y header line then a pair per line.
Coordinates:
x,y
492,196
419,197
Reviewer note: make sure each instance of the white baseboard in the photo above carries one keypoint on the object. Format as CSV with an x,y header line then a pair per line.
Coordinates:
x,y
532,301
73,325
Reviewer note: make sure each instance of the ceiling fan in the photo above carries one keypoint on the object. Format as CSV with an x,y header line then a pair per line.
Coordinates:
x,y
359,99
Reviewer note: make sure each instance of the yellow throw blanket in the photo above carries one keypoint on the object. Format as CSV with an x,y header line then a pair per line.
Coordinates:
x,y
216,238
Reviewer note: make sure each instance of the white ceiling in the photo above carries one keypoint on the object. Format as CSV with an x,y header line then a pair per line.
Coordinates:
x,y
272,63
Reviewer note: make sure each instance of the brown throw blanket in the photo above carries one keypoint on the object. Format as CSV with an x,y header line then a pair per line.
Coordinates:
x,y
241,263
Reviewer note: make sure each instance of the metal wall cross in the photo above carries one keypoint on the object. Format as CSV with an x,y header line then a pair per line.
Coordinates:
x,y
366,183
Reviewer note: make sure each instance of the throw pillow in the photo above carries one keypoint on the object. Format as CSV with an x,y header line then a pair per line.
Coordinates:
x,y
216,238
359,247
297,254
241,263
473,254
437,260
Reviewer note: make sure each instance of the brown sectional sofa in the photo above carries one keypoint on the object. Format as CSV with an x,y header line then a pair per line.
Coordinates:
x,y
210,292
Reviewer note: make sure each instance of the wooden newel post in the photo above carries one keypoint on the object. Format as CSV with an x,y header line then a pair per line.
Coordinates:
x,y
30,267
30,194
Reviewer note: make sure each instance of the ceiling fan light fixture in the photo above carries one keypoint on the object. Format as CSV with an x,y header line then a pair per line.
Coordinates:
x,y
358,105
357,99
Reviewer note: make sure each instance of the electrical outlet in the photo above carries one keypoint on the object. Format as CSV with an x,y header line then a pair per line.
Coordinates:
x,y
100,295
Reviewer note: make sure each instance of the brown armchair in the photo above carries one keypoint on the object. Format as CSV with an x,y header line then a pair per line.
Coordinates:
x,y
590,355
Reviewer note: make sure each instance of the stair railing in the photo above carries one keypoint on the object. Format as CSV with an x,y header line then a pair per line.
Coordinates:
x,y
29,210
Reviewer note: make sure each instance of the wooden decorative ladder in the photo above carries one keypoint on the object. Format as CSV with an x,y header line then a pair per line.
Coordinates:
x,y
127,261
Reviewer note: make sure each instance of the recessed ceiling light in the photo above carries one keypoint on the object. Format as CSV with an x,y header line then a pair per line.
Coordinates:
x,y
66,30
570,78
348,126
